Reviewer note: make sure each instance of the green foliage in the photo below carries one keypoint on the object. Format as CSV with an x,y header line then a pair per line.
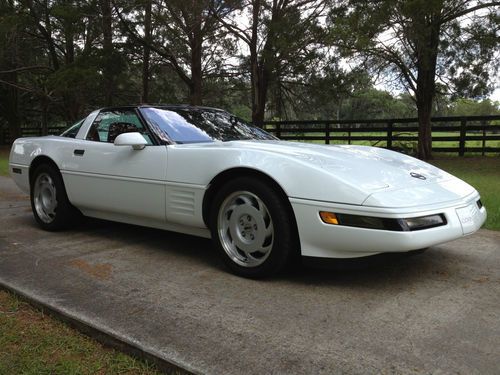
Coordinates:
x,y
469,107
338,94
396,37
54,66
375,104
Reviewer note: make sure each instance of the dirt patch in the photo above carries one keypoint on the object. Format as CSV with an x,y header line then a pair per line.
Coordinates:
x,y
10,306
8,196
101,271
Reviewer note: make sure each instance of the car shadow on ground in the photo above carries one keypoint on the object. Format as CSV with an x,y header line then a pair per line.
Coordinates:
x,y
155,239
383,269
376,270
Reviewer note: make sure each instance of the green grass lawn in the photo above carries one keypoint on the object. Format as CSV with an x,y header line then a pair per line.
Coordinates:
x,y
4,161
34,343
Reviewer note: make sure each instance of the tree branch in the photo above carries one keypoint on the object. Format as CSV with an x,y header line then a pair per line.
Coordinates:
x,y
453,16
165,54
26,68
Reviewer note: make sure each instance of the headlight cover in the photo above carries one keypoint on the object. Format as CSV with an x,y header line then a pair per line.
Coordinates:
x,y
425,222
381,223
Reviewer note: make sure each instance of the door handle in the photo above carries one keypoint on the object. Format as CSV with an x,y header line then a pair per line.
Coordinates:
x,y
79,152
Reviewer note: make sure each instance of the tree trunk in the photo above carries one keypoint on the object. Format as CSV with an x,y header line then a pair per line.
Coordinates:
x,y
107,45
45,116
70,43
427,44
426,89
48,37
14,127
195,88
254,83
146,53
261,88
424,110
255,78
262,66
71,97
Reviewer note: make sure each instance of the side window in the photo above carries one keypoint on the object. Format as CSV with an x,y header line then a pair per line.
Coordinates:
x,y
72,131
110,124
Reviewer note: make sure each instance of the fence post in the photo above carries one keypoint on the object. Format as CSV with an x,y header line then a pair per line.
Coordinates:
x,y
389,135
484,137
278,130
349,137
327,133
463,132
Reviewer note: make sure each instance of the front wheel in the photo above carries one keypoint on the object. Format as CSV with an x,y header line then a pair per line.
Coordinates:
x,y
49,202
252,228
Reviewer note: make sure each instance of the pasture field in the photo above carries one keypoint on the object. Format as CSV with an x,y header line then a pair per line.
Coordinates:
x,y
407,144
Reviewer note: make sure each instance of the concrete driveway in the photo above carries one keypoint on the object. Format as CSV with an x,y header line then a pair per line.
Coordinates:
x,y
168,296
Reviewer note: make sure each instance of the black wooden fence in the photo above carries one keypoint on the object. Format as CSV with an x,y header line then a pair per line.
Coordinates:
x,y
461,135
29,132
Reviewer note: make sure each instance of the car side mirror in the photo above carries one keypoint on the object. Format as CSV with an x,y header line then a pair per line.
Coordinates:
x,y
134,139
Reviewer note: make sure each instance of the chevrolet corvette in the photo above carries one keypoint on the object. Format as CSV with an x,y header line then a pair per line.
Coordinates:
x,y
205,172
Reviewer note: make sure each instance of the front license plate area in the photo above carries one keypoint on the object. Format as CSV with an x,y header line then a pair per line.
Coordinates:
x,y
468,217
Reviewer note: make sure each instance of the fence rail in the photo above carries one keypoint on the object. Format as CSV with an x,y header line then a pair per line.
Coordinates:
x,y
29,132
461,135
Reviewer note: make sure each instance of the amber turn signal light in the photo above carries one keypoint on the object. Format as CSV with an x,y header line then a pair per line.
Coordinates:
x,y
328,217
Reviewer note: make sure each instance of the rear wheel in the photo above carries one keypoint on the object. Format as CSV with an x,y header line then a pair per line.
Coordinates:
x,y
49,202
252,228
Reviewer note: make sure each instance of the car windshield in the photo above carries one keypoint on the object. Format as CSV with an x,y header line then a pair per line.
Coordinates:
x,y
196,125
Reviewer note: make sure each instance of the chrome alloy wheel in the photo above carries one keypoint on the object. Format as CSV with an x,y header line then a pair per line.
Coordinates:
x,y
245,229
45,198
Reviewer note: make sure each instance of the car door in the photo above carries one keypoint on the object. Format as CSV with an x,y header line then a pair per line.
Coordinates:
x,y
103,178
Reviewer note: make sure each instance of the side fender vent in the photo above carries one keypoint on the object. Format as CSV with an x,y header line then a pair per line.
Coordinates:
x,y
181,202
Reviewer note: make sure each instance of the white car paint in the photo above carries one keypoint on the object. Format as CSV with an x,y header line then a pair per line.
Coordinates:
x,y
163,186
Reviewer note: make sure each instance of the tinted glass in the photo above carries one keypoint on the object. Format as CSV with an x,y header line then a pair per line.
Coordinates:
x,y
188,125
72,131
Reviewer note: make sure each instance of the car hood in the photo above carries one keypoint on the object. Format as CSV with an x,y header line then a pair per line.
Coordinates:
x,y
369,168
385,178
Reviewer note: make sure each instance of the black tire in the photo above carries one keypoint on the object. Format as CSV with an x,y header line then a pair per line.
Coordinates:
x,y
50,214
247,214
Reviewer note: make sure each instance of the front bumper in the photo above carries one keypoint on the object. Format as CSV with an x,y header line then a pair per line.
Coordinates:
x,y
318,239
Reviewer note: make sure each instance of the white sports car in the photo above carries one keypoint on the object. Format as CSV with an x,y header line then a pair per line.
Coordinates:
x,y
204,172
